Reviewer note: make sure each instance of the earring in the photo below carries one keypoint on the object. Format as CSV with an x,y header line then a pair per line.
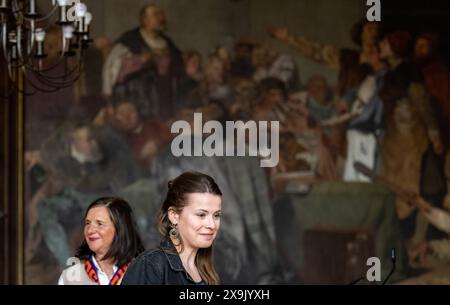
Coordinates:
x,y
173,233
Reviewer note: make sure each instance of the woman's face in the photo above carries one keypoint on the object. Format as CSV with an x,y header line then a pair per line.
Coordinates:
x,y
199,220
99,230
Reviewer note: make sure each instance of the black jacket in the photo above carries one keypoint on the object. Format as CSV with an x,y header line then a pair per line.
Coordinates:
x,y
158,267
156,96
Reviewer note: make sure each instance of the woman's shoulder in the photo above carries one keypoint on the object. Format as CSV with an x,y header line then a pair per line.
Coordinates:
x,y
151,254
147,268
157,257
75,275
79,265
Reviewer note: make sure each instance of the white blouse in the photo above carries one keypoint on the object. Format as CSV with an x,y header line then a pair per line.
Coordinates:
x,y
102,276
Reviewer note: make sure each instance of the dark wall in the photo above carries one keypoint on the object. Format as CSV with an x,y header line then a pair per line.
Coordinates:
x,y
11,209
3,230
421,16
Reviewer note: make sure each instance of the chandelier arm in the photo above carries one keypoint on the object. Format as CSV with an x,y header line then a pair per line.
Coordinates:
x,y
44,27
19,64
25,92
48,80
5,41
61,85
47,76
65,76
51,82
27,56
19,44
60,60
32,34
10,73
44,85
49,89
53,66
14,88
11,66
20,61
15,7
77,65
49,15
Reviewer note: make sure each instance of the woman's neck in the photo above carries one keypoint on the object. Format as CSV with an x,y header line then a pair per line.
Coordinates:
x,y
107,266
187,257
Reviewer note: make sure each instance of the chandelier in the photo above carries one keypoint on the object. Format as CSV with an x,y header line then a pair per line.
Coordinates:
x,y
22,34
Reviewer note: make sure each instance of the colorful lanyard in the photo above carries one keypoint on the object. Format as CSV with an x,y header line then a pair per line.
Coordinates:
x,y
91,271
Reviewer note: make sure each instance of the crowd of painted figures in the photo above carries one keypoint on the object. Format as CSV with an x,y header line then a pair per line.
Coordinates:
x,y
389,110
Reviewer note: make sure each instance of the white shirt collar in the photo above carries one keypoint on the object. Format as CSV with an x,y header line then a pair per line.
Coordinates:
x,y
102,277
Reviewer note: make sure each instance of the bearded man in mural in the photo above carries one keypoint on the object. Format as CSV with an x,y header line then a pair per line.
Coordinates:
x,y
146,65
82,162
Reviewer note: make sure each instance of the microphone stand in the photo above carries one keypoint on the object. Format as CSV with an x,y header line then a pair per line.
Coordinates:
x,y
389,275
393,266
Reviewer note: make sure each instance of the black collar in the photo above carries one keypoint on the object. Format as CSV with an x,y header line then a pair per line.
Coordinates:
x,y
173,258
171,254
